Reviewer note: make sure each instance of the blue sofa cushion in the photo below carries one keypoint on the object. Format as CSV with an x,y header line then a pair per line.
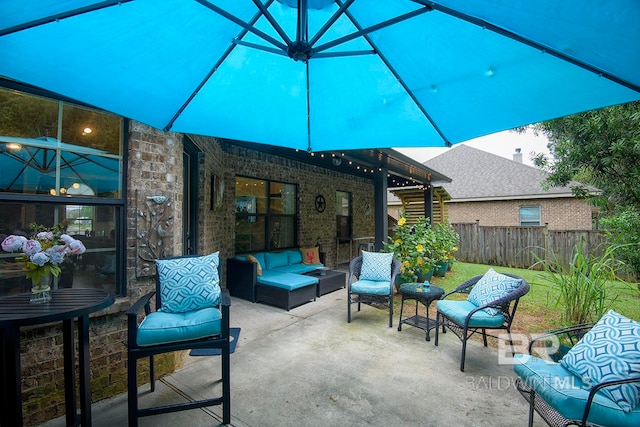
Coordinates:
x,y
188,284
297,268
286,281
372,287
459,310
161,327
376,266
565,393
609,351
275,259
490,287
295,256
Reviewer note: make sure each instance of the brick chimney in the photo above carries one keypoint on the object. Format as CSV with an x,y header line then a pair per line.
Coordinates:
x,y
517,156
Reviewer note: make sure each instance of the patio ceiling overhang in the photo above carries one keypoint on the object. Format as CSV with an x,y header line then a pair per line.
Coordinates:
x,y
402,171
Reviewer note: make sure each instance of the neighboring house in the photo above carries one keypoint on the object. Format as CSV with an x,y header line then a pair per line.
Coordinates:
x,y
495,191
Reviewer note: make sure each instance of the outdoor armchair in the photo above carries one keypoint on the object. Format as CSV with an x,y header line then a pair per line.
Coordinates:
x,y
375,275
491,305
566,388
192,312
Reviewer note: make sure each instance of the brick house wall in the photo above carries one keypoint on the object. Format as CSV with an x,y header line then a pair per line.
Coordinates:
x,y
560,214
155,165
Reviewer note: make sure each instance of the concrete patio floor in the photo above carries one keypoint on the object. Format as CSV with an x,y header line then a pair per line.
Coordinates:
x,y
309,367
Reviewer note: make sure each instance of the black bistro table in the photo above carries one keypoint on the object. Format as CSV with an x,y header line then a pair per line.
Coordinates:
x,y
65,306
423,295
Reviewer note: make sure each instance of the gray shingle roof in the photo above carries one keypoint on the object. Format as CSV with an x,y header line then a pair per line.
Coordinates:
x,y
476,174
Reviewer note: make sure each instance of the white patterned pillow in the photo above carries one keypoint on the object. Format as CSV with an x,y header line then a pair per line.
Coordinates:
x,y
609,351
376,266
490,287
188,283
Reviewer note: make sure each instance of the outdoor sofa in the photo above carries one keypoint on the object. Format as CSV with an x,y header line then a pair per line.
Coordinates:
x,y
276,278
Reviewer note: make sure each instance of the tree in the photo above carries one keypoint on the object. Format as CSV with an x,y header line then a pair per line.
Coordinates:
x,y
601,148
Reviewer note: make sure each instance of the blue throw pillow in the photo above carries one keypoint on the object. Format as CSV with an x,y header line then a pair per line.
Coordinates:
x,y
609,351
490,287
188,284
376,266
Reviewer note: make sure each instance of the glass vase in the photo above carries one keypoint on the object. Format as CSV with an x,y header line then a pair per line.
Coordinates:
x,y
41,290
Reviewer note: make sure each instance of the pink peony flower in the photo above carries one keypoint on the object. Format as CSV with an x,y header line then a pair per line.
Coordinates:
x,y
13,243
77,247
31,247
66,238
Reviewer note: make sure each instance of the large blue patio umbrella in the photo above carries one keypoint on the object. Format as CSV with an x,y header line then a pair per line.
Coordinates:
x,y
322,75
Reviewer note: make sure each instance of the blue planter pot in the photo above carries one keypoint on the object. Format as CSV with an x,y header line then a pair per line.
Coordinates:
x,y
441,269
426,276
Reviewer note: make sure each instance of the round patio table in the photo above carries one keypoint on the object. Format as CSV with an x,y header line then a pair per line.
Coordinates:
x,y
65,305
421,295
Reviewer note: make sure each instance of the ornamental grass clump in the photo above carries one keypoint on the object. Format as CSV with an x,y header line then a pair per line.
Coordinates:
x,y
413,246
42,253
584,286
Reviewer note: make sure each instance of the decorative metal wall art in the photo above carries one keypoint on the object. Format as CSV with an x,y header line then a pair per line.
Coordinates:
x,y
154,230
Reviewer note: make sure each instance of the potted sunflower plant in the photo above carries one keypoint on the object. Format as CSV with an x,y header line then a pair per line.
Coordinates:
x,y
412,245
445,245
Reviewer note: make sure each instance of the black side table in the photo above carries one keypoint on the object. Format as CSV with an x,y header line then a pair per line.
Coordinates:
x,y
424,295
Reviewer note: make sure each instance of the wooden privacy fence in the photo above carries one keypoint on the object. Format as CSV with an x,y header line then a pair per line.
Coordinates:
x,y
516,246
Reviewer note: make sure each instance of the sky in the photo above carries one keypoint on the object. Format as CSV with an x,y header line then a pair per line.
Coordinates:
x,y
502,144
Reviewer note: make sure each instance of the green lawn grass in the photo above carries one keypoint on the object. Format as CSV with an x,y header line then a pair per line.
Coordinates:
x,y
537,310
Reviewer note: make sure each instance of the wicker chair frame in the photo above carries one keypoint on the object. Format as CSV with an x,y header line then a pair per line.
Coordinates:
x,y
507,305
355,267
541,344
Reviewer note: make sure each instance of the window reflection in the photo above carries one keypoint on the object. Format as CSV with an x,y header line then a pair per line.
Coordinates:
x,y
258,228
49,147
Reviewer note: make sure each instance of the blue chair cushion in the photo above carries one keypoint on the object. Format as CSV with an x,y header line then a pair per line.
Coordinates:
x,y
189,283
490,287
459,310
276,259
376,266
371,287
609,351
286,281
295,256
565,393
162,327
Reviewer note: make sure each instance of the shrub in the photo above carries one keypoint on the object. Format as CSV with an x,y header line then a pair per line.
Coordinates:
x,y
584,285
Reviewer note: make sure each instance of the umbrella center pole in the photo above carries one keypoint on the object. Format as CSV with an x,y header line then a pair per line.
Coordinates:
x,y
300,50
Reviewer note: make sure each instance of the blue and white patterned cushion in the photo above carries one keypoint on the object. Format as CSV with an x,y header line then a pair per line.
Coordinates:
x,y
490,287
376,266
609,351
189,283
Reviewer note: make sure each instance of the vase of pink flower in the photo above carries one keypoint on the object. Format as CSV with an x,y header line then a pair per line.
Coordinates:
x,y
41,256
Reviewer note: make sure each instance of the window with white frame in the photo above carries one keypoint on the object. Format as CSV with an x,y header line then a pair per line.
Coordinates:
x,y
530,216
